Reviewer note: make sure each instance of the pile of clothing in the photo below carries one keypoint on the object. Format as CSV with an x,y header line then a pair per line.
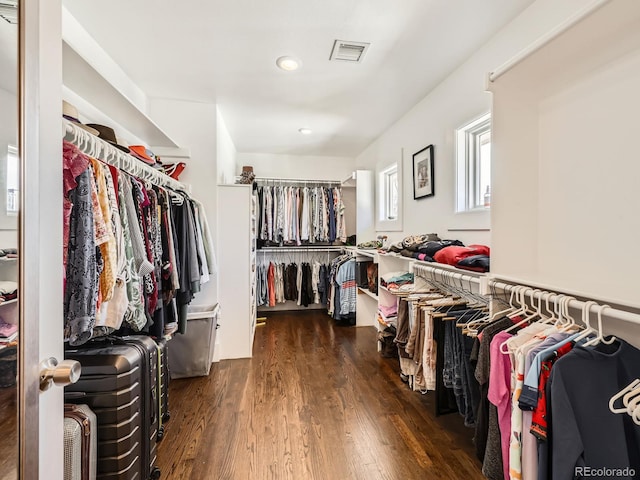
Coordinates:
x,y
8,290
394,280
430,248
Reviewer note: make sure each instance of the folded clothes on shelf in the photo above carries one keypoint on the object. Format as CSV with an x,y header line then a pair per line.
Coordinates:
x,y
388,310
7,330
8,287
371,244
453,255
396,279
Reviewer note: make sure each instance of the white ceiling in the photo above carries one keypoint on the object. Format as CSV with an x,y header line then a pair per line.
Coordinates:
x,y
225,51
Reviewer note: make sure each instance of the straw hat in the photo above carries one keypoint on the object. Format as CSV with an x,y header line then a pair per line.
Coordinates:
x,y
71,113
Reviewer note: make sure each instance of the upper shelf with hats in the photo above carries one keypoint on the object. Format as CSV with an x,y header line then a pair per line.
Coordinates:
x,y
108,134
105,95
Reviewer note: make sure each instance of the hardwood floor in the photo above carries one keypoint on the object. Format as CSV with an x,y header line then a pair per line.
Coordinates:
x,y
315,402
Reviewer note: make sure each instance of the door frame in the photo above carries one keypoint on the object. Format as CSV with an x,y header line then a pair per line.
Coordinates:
x,y
41,450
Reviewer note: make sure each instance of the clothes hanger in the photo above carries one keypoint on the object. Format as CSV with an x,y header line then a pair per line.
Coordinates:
x,y
553,317
470,328
558,310
600,337
504,346
636,416
622,393
569,322
588,331
632,401
521,299
511,308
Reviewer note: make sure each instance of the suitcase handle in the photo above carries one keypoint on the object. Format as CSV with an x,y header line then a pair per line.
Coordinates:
x,y
74,395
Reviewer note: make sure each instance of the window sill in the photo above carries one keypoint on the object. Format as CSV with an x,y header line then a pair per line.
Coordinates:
x,y
478,219
475,211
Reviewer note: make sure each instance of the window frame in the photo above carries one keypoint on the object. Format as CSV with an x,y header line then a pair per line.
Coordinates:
x,y
12,153
383,222
390,176
469,193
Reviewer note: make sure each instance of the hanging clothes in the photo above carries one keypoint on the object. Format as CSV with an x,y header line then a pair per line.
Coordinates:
x,y
81,286
128,253
300,215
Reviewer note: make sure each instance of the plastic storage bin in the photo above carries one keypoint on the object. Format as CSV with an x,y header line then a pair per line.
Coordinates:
x,y
191,354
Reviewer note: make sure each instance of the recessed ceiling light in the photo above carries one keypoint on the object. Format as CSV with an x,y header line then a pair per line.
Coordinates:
x,y
288,63
305,131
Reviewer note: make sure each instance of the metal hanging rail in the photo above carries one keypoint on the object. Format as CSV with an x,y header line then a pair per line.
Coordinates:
x,y
489,285
427,272
297,181
298,249
99,149
594,307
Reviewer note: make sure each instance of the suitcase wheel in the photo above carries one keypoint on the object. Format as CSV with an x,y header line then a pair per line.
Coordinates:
x,y
166,417
160,434
155,473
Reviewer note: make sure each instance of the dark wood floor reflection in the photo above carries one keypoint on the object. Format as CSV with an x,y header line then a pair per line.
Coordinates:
x,y
9,436
315,402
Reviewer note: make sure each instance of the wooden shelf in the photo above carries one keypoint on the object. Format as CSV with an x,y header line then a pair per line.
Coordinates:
x,y
395,255
585,44
368,292
104,93
359,252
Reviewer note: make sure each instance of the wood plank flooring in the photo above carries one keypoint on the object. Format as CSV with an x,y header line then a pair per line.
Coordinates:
x,y
315,402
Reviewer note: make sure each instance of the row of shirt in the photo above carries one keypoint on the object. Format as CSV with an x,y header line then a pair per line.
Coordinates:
x,y
342,289
134,254
293,215
537,397
551,393
304,284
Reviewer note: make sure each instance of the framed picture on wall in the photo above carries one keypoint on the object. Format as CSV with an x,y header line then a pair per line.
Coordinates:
x,y
423,173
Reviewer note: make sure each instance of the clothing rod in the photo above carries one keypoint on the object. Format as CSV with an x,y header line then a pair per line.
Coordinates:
x,y
424,270
610,312
99,149
544,40
298,249
295,180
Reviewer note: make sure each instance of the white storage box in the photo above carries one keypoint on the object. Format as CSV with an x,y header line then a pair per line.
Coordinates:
x,y
191,354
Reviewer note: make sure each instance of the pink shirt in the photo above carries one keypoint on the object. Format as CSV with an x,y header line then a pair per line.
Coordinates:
x,y
500,393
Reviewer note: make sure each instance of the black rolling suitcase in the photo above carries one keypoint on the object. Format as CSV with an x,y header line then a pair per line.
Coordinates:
x,y
163,387
119,383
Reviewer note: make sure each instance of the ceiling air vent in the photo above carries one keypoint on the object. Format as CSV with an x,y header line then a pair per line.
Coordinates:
x,y
348,51
9,11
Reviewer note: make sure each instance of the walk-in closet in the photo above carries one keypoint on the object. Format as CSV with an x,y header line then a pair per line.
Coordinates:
x,y
346,239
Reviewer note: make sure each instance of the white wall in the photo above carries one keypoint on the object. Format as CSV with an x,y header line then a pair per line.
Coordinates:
x,y
589,189
293,166
8,136
458,99
193,125
226,151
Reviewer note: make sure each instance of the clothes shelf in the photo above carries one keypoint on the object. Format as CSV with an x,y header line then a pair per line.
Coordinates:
x,y
368,292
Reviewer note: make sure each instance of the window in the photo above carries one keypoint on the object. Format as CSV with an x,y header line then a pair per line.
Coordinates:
x,y
13,177
390,179
389,198
473,142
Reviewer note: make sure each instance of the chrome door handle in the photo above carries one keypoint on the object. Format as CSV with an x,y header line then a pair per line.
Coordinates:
x,y
57,373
